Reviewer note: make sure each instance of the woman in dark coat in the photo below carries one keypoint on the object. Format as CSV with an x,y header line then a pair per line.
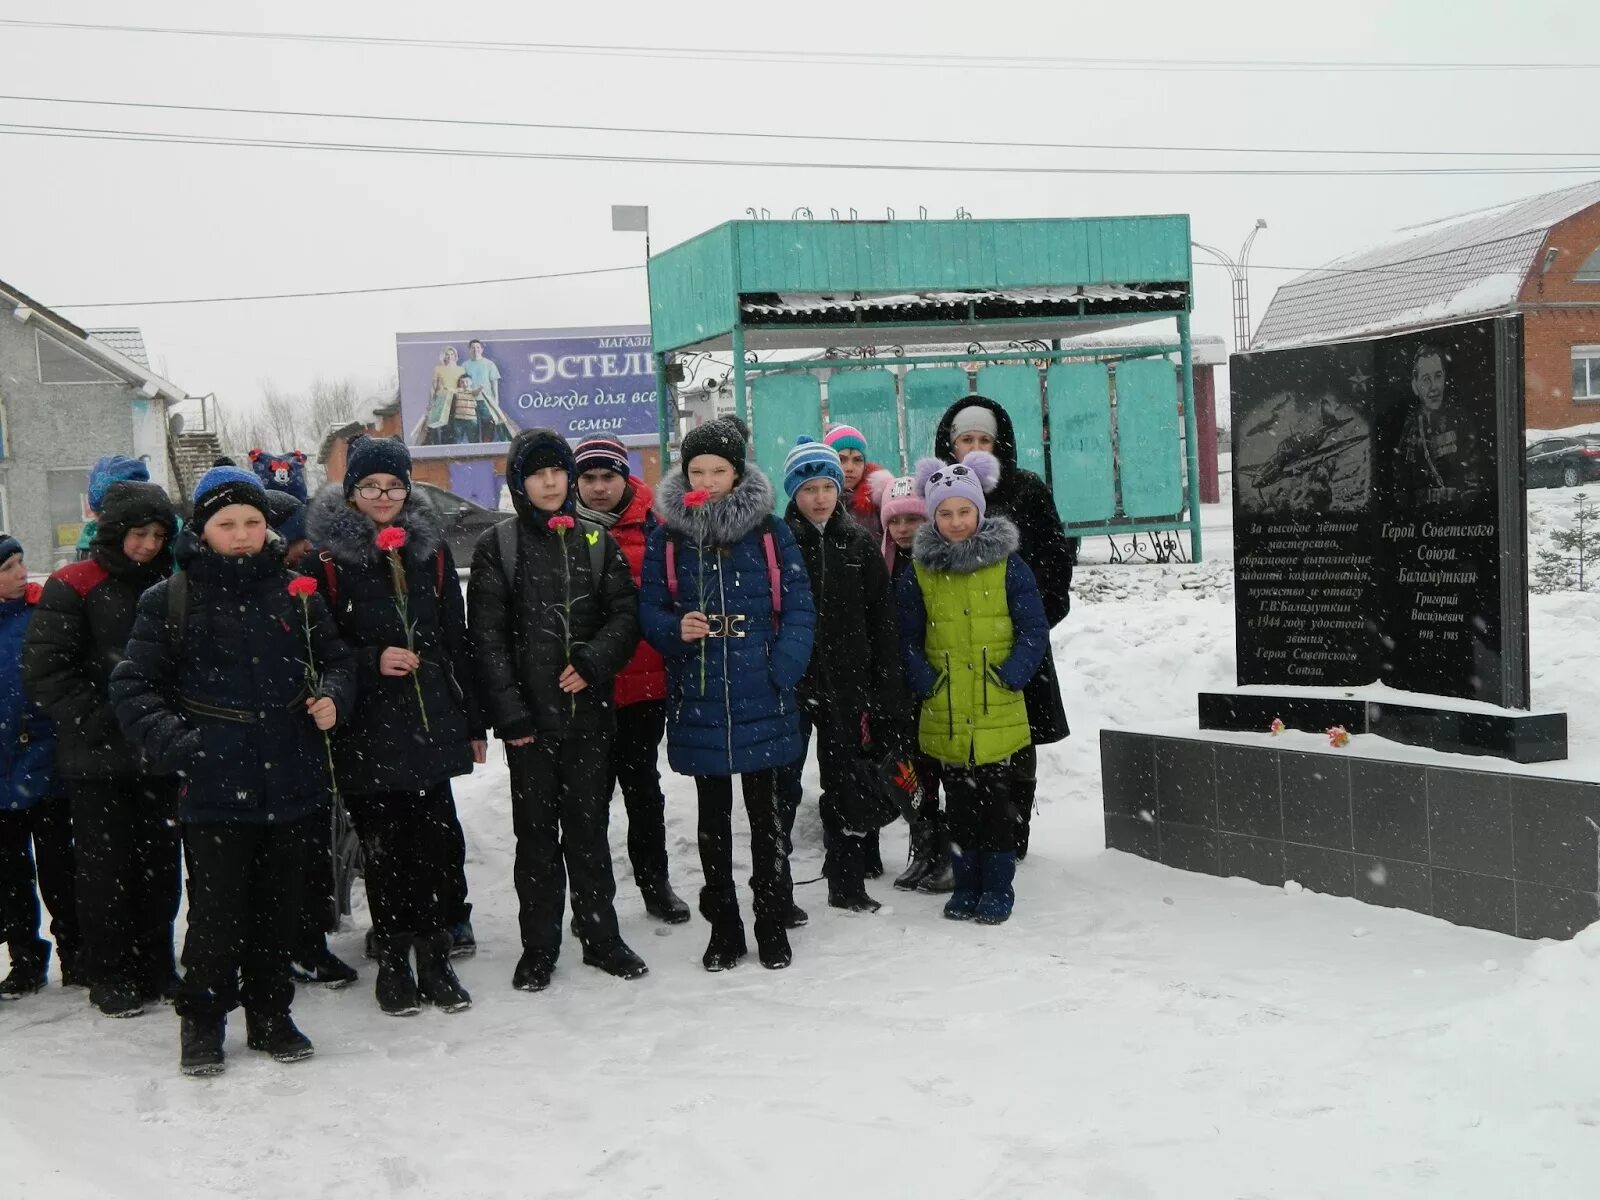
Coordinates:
x,y
123,808
979,423
733,663
416,725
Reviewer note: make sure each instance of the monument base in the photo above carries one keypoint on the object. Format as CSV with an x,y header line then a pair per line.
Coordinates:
x,y
1517,852
1460,727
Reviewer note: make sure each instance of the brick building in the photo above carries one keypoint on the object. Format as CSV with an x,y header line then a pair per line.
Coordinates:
x,y
1539,257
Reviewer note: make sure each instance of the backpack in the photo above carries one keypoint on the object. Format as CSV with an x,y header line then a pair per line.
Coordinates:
x,y
774,570
505,535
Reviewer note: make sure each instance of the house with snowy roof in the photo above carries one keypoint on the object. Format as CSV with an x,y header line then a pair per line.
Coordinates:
x,y
69,395
1539,257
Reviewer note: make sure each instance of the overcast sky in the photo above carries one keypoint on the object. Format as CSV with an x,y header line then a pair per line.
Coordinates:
x,y
90,221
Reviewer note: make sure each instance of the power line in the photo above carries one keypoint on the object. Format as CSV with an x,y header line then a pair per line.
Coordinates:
x,y
418,287
869,58
858,139
363,291
89,133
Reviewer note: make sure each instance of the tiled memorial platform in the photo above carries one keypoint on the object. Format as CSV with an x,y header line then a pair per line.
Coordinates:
x,y
1479,843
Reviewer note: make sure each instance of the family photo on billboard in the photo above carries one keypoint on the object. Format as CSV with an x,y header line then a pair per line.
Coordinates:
x,y
464,401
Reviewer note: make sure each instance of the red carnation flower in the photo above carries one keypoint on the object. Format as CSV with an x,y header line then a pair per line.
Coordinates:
x,y
301,586
561,522
696,498
391,538
32,592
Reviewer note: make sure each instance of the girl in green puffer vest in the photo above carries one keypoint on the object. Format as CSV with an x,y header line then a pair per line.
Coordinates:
x,y
973,632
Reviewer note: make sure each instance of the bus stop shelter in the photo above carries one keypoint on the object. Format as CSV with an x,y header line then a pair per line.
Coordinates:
x,y
1112,430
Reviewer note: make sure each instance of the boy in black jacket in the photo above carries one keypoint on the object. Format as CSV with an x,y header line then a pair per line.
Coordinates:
x,y
216,684
854,677
552,615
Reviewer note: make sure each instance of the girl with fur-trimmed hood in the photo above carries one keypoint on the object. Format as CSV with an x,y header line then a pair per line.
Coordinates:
x,y
417,723
726,600
973,632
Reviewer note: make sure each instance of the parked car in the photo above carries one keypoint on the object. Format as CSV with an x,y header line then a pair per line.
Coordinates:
x,y
1563,461
463,519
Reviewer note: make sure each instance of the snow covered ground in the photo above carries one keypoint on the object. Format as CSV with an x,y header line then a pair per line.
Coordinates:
x,y
1135,1033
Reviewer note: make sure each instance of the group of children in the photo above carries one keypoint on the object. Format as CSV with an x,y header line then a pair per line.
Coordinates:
x,y
199,684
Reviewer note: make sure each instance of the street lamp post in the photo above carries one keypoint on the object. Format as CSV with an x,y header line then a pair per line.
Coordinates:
x,y
1239,273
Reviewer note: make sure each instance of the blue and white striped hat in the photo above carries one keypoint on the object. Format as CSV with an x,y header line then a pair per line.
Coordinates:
x,y
811,459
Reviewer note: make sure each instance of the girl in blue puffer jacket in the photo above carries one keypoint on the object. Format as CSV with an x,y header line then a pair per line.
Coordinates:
x,y
35,825
726,600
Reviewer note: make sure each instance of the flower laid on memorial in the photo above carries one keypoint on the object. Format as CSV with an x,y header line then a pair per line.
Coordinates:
x,y
1338,737
1277,726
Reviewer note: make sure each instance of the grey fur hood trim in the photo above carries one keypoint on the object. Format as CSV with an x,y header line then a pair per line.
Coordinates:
x,y
995,541
350,536
720,524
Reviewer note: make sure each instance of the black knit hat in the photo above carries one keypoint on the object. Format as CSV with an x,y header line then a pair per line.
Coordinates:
x,y
725,437
127,506
375,456
9,548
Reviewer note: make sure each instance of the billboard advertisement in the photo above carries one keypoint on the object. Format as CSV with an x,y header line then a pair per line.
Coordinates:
x,y
472,391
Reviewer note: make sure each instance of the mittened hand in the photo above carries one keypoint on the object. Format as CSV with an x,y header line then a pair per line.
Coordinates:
x,y
324,712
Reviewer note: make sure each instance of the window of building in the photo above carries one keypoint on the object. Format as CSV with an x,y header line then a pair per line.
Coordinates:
x,y
1590,271
69,508
59,363
1586,374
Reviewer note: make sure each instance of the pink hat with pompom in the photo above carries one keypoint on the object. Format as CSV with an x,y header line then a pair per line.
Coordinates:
x,y
898,498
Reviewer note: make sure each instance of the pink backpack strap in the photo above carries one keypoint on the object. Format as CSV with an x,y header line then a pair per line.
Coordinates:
x,y
774,573
438,572
331,574
672,569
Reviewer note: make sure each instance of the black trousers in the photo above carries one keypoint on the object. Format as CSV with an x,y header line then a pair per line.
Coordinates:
x,y
317,900
1024,786
560,810
978,813
843,806
453,900
771,885
245,897
126,837
635,765
407,842
36,847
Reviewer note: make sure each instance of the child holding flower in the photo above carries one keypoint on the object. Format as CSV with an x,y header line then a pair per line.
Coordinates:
x,y
553,613
383,564
215,686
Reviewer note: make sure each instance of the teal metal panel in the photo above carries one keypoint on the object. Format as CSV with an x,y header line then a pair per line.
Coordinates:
x,y
1082,458
825,256
1017,388
866,399
1148,446
693,296
929,391
782,408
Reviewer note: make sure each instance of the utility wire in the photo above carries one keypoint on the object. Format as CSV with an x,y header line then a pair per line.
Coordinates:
x,y
793,137
418,287
866,58
89,133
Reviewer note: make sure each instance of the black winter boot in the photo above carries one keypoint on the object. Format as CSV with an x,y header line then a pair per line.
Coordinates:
x,y
533,972
919,858
116,998
30,969
397,987
275,1034
940,880
436,978
727,945
846,888
772,944
661,902
200,1045
320,965
616,959
463,942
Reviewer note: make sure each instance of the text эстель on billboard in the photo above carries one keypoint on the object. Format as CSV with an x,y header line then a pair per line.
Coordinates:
x,y
478,390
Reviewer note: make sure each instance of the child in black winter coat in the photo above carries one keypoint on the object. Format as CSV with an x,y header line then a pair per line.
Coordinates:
x,y
553,616
853,680
217,685
417,724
